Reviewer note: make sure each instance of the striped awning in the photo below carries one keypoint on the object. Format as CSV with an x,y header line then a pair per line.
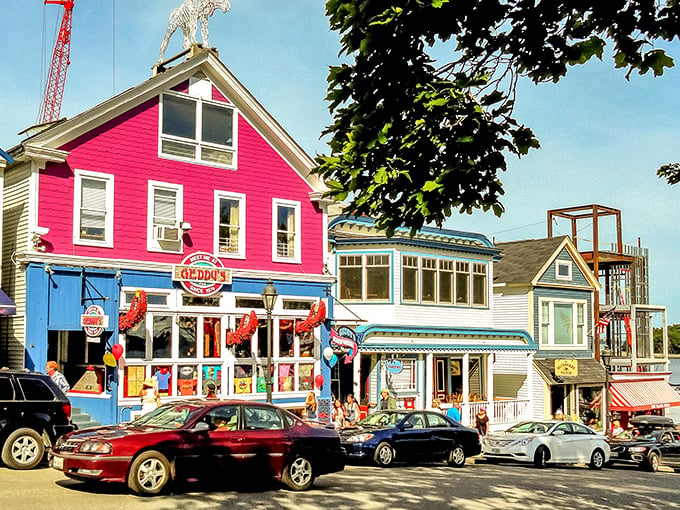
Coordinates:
x,y
642,395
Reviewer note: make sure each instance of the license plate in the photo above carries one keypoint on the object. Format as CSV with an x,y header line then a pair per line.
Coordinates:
x,y
57,462
495,450
614,454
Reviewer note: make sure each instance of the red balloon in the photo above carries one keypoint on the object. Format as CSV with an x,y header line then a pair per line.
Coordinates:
x,y
319,381
117,351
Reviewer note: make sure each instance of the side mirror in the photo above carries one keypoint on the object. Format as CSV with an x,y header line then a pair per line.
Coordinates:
x,y
201,426
406,426
558,433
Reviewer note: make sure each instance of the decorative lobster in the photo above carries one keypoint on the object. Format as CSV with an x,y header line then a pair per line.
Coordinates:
x,y
245,330
317,314
135,314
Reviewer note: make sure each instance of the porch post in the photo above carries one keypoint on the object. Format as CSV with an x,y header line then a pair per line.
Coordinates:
x,y
356,377
466,389
489,386
530,386
429,380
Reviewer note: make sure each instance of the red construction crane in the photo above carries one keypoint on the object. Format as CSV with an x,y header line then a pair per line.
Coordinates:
x,y
54,88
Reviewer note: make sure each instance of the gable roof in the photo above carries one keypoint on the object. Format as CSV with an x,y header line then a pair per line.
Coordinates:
x,y
204,60
524,262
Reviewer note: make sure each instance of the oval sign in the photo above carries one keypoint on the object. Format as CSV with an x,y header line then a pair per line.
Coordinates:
x,y
394,366
201,274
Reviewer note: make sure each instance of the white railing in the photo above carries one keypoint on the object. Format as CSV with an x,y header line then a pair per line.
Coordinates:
x,y
499,411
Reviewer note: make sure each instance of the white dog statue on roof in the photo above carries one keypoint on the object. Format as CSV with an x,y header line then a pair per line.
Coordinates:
x,y
187,16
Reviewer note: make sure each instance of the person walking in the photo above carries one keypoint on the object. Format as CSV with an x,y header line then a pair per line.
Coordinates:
x,y
454,412
387,401
310,406
482,422
59,379
352,411
149,395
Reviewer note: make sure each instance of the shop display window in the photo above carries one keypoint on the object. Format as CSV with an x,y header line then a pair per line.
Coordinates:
x,y
187,336
262,338
162,374
162,336
133,379
261,381
212,379
286,338
135,341
186,380
307,345
243,379
286,377
212,330
306,374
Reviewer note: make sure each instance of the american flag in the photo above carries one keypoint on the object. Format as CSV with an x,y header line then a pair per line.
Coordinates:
x,y
604,322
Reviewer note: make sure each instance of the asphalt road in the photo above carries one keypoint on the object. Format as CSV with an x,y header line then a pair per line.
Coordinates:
x,y
476,486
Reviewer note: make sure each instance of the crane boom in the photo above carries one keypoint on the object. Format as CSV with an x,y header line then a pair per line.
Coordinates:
x,y
54,88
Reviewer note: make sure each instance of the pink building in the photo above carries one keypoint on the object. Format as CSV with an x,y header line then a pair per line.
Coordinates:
x,y
183,187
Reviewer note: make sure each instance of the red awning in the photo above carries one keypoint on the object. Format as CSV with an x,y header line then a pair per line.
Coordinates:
x,y
642,395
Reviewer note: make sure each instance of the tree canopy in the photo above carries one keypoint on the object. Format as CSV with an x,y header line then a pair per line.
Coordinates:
x,y
412,141
673,338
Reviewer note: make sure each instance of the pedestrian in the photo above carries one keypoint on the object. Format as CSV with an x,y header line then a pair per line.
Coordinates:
x,y
454,412
149,395
57,377
436,403
338,414
616,428
310,406
559,415
352,411
482,422
387,401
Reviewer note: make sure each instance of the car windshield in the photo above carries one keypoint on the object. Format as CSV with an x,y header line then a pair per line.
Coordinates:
x,y
382,419
172,416
638,435
530,427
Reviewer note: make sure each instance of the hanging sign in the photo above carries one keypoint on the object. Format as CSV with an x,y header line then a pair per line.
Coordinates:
x,y
346,340
566,368
94,320
201,274
394,366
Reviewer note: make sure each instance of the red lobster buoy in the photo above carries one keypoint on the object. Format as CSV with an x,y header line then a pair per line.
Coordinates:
x,y
245,330
317,314
135,314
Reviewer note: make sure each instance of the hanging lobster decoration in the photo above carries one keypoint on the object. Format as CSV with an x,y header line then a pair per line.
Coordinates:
x,y
246,329
135,314
317,314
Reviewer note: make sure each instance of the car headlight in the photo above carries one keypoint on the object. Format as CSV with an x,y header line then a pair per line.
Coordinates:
x,y
95,447
59,442
360,438
637,449
526,441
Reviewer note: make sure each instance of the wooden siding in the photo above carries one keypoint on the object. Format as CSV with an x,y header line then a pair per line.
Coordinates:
x,y
577,277
15,240
539,396
510,375
511,309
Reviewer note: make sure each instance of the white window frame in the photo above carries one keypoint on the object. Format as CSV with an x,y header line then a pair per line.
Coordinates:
x,y
153,244
199,90
297,243
364,275
108,179
407,379
563,263
241,199
549,343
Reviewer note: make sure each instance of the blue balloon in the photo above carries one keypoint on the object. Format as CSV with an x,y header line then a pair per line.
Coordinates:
x,y
333,360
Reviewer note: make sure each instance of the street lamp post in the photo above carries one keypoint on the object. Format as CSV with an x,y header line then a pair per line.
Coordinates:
x,y
606,357
269,296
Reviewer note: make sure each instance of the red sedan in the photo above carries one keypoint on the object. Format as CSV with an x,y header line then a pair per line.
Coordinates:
x,y
200,439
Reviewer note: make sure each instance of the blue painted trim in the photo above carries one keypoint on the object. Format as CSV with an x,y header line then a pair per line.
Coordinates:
x,y
444,347
368,329
6,157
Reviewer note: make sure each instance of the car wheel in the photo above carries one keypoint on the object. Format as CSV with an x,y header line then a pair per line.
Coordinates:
x,y
298,475
541,457
24,449
653,462
456,456
384,455
149,473
597,460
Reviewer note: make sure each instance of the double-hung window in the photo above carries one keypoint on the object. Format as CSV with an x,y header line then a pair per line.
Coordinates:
x,y
562,323
409,278
462,283
197,129
479,284
286,230
93,209
230,221
364,277
165,215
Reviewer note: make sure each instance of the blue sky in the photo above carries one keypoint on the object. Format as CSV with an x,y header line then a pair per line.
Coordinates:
x,y
602,137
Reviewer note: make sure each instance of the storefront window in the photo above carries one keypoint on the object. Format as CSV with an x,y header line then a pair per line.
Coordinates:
x,y
306,371
261,338
162,336
134,377
186,380
135,341
243,349
212,329
261,381
286,338
187,337
212,379
286,377
307,345
243,379
189,300
590,407
163,376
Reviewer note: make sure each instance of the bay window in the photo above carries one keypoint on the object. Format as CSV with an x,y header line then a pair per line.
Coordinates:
x,y
364,277
562,323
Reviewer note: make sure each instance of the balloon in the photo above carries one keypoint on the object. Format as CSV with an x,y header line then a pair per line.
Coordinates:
x,y
319,381
109,360
333,360
117,351
328,353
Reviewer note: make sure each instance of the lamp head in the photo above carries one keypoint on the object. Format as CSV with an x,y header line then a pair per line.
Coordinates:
x,y
269,295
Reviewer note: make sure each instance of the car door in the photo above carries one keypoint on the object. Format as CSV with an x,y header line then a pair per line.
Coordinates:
x,y
561,443
442,435
412,441
669,445
264,441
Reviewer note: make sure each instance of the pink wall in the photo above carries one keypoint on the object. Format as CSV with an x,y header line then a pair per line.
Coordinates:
x,y
127,147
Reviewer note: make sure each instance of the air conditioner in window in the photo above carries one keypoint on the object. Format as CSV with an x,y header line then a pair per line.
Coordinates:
x,y
166,233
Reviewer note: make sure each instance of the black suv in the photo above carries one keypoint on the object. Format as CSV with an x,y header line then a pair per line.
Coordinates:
x,y
34,412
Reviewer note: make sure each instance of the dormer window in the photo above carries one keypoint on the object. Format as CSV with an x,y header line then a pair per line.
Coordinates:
x,y
197,129
563,270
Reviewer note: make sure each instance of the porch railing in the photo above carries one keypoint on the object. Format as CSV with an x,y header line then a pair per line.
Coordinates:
x,y
499,411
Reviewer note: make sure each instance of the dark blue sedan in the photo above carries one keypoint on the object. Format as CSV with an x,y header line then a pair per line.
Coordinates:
x,y
385,437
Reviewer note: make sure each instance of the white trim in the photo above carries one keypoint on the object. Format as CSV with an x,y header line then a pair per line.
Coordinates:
x,y
241,199
109,181
151,243
563,263
297,244
550,344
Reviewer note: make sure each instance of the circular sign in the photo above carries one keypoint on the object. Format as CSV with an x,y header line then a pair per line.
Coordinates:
x,y
93,320
202,274
394,366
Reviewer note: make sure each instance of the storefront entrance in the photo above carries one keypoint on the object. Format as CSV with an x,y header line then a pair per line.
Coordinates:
x,y
80,359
